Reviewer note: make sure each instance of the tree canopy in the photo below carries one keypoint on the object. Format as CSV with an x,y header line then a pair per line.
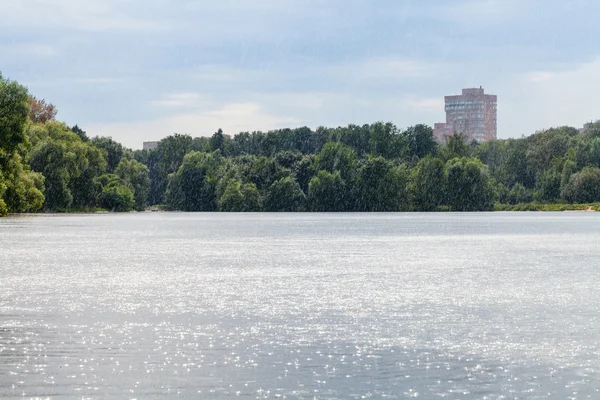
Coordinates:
x,y
47,165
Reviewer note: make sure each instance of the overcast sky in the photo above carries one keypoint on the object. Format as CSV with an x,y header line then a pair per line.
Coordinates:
x,y
140,70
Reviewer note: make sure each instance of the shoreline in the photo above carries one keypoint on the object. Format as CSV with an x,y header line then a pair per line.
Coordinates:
x,y
577,208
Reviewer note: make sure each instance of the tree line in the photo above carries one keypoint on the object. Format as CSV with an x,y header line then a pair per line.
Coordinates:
x,y
49,166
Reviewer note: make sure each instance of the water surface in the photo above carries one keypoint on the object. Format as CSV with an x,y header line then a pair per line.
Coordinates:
x,y
155,305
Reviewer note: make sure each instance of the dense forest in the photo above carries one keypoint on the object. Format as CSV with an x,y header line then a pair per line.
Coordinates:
x,y
46,165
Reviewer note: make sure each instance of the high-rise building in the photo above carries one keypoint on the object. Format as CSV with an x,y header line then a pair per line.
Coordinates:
x,y
473,113
150,145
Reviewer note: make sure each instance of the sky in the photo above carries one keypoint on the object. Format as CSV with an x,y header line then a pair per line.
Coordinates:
x,y
140,70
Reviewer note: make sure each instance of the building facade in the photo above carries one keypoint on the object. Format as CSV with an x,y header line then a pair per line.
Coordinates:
x,y
473,113
150,145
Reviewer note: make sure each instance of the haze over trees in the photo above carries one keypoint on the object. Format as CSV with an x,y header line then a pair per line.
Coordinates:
x,y
47,165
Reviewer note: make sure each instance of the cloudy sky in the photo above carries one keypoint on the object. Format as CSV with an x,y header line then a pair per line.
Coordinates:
x,y
140,70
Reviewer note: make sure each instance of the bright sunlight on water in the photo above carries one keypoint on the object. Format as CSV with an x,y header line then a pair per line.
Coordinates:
x,y
155,305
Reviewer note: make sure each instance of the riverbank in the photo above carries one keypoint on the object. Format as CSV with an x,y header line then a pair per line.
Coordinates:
x,y
553,207
588,207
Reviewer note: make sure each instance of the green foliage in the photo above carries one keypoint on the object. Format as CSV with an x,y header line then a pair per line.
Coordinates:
x,y
427,184
547,146
519,194
457,146
68,165
288,159
338,157
534,206
114,151
260,170
80,132
165,160
547,188
137,178
327,192
21,190
24,189
583,186
239,197
284,195
381,186
193,186
420,141
377,167
304,171
115,195
384,140
84,191
220,142
468,186
14,109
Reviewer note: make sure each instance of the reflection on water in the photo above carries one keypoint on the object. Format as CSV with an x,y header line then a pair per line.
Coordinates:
x,y
300,306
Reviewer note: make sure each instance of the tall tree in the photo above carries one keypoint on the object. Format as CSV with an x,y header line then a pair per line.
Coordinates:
x,y
427,184
137,178
420,140
284,195
327,192
468,186
40,111
20,188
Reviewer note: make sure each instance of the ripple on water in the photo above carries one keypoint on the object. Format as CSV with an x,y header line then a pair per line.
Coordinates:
x,y
295,306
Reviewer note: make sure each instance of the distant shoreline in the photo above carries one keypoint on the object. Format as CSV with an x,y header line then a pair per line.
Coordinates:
x,y
524,207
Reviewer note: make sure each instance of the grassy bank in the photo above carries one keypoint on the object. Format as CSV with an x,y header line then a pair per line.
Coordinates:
x,y
547,207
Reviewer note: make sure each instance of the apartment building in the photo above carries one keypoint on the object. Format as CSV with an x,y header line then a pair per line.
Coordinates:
x,y
473,113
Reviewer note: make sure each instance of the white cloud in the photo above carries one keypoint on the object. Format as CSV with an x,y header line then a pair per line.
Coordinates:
x,y
538,76
232,118
383,69
182,100
88,15
569,97
436,104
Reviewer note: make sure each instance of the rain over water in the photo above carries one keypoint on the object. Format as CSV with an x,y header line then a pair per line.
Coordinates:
x,y
173,305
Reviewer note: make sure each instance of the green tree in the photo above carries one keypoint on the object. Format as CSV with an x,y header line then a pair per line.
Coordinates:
x,y
24,189
114,151
14,109
304,171
85,192
165,160
336,157
193,186
260,170
239,197
519,194
583,186
327,192
115,195
80,132
284,195
457,146
547,146
137,178
217,141
547,186
68,165
420,141
381,186
384,140
427,184
20,188
468,186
